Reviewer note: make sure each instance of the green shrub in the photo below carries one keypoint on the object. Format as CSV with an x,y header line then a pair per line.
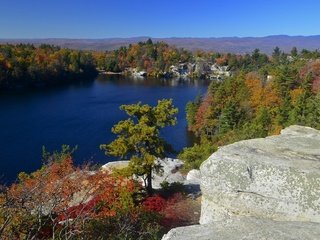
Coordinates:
x,y
195,155
171,188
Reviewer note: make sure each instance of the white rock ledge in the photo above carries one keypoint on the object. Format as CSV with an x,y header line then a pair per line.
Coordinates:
x,y
247,228
267,188
276,177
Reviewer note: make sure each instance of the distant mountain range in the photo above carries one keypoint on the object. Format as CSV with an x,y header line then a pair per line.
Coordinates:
x,y
223,44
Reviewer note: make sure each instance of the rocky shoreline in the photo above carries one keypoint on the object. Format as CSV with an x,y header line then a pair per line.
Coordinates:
x,y
199,69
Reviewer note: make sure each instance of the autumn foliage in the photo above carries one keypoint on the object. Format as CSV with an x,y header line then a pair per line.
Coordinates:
x,y
263,95
155,203
64,201
154,58
175,210
200,116
60,199
312,68
25,65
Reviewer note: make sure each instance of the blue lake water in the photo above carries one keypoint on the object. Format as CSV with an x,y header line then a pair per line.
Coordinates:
x,y
82,115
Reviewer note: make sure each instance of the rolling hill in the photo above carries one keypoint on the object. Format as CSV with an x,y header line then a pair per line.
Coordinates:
x,y
223,44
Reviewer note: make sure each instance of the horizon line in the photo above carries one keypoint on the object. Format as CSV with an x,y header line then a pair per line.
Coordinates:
x,y
137,37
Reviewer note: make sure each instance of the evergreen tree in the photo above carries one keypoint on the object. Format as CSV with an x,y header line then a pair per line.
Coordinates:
x,y
276,54
138,137
294,52
229,118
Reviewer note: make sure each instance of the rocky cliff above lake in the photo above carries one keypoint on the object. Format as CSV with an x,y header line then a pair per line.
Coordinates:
x,y
266,188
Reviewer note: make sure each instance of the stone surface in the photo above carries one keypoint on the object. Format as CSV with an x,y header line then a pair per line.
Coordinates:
x,y
193,176
170,173
170,167
247,228
261,189
192,184
276,177
115,165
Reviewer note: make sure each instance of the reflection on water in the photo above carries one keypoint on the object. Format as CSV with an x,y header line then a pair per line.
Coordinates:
x,y
82,114
141,81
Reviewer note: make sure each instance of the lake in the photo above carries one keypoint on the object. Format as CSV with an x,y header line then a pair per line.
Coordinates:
x,y
82,114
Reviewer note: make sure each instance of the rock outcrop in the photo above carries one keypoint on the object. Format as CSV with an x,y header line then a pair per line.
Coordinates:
x,y
271,184
194,176
219,72
276,177
114,165
247,228
170,170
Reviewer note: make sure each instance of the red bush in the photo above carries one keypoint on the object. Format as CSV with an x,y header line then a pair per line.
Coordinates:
x,y
155,203
82,209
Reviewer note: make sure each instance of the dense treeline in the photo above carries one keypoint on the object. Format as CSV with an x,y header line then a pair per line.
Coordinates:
x,y
25,65
154,58
264,95
157,58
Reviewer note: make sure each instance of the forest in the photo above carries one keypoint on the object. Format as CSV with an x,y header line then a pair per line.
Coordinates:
x,y
25,66
264,95
154,58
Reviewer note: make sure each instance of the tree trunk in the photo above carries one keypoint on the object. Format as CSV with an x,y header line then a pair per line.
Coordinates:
x,y
149,182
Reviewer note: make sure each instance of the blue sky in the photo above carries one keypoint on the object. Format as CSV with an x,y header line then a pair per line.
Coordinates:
x,y
162,18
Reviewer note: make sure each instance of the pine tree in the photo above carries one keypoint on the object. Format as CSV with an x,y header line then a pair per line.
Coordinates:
x,y
138,137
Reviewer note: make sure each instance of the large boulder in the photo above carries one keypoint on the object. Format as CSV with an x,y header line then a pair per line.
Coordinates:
x,y
276,177
247,228
266,188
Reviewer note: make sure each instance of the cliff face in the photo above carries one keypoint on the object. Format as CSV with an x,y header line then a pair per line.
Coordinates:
x,y
261,189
